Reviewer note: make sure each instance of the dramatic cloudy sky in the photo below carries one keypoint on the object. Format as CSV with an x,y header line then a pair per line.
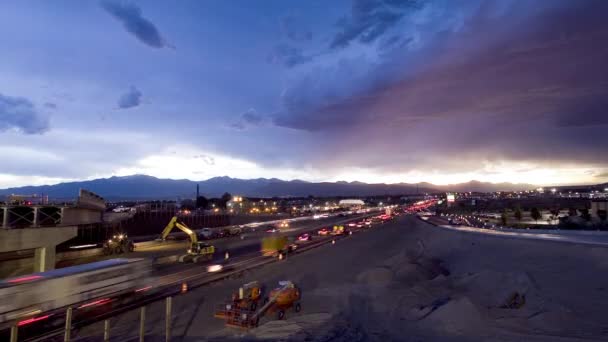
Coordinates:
x,y
372,90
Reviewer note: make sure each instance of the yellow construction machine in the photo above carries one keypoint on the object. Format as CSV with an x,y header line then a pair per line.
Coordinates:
x,y
286,296
198,250
247,298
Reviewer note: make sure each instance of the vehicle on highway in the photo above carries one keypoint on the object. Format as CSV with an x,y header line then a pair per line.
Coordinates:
x,y
207,233
26,296
215,268
305,237
273,230
323,231
337,230
198,250
121,209
284,224
236,230
277,246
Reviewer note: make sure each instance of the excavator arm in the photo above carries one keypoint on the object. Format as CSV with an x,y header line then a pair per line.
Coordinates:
x,y
173,224
168,228
190,232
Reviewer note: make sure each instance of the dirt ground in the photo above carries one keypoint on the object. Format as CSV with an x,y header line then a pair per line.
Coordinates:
x,y
411,281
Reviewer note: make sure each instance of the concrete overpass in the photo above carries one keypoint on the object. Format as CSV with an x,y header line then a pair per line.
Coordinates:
x,y
40,228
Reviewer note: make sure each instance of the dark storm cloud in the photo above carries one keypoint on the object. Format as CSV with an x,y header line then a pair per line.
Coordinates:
x,y
130,15
370,19
130,99
17,113
292,31
319,100
248,119
288,56
529,87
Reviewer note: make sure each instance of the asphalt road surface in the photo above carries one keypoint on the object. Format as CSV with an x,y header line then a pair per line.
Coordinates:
x,y
592,238
234,244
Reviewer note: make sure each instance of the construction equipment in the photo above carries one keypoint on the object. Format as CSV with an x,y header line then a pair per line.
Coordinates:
x,y
246,298
118,244
198,250
277,246
282,298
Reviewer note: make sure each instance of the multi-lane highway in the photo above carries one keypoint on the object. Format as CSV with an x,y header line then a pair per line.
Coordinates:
x,y
167,279
592,238
251,236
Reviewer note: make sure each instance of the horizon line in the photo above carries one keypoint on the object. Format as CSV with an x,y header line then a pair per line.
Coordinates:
x,y
300,180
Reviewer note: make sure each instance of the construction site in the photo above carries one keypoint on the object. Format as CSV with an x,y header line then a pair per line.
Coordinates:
x,y
413,282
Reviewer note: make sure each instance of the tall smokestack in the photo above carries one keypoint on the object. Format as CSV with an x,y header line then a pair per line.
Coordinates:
x,y
196,191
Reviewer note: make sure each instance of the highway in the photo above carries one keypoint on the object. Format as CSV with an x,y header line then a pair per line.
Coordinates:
x,y
167,279
591,238
232,244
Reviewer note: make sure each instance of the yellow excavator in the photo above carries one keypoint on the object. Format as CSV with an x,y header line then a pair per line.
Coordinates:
x,y
198,250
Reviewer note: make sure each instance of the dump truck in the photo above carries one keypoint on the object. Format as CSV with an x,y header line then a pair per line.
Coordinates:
x,y
197,251
277,246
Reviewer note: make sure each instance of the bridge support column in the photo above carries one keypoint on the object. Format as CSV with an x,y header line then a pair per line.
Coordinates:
x,y
35,220
44,259
5,217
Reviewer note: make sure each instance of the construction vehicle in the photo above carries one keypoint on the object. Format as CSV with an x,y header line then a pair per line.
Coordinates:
x,y
281,299
198,250
118,244
246,298
277,246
